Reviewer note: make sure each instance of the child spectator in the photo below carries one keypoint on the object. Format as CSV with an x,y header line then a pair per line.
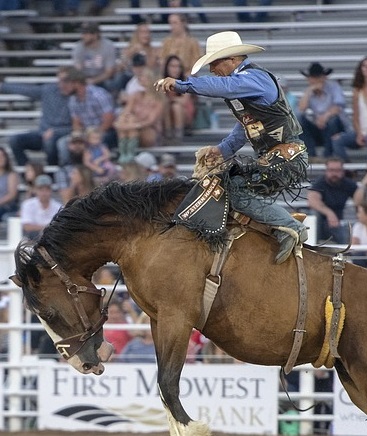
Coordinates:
x,y
81,183
31,171
97,156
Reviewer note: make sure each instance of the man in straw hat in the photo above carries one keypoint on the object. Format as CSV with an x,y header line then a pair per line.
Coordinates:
x,y
264,118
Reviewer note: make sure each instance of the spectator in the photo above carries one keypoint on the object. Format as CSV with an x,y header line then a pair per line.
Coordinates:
x,y
327,196
131,171
356,138
9,181
166,170
141,42
326,100
74,156
141,348
180,43
140,123
118,338
81,183
258,16
138,65
31,171
179,108
37,212
89,105
55,121
97,156
359,234
95,56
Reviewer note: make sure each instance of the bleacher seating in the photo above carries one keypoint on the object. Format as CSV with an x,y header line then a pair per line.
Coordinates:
x,y
296,34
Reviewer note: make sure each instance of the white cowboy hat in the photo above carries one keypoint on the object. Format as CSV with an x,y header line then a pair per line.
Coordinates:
x,y
222,45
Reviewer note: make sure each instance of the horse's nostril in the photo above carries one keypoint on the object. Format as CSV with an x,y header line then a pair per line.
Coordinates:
x,y
87,366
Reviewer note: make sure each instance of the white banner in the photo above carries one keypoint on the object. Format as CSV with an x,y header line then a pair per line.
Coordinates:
x,y
233,398
348,419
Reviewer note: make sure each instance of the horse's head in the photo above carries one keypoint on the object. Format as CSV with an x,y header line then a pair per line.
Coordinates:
x,y
68,305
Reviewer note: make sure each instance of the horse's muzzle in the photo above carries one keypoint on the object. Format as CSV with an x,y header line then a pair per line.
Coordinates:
x,y
92,364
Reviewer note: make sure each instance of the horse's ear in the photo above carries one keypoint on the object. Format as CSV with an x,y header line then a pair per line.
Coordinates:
x,y
15,279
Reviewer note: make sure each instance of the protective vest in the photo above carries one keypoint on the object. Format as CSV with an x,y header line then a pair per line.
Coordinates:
x,y
266,125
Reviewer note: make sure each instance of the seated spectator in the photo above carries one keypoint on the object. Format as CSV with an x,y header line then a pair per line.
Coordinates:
x,y
55,121
138,65
359,234
166,169
90,106
180,43
31,171
9,181
37,212
357,138
141,348
257,17
81,183
179,108
326,100
95,56
131,171
148,162
118,338
327,196
72,157
140,122
141,42
97,157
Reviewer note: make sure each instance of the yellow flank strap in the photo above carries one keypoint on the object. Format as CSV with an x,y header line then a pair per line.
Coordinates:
x,y
325,358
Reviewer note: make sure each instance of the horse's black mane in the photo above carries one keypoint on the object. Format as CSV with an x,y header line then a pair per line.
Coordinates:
x,y
130,201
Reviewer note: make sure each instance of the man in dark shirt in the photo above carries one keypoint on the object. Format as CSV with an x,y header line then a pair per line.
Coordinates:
x,y
328,196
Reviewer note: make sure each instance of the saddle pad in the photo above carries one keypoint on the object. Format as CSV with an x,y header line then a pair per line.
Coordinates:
x,y
205,207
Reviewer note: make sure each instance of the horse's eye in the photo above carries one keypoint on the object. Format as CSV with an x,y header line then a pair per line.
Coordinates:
x,y
47,315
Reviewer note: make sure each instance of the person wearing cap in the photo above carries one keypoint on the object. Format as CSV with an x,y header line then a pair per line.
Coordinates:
x,y
265,119
95,56
37,212
167,169
89,106
326,101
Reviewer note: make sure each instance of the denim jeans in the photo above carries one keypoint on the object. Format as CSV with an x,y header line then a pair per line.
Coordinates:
x,y
260,209
314,137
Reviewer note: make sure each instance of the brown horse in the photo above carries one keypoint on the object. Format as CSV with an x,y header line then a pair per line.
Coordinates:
x,y
165,267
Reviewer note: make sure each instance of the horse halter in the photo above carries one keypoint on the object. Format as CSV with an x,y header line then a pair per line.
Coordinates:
x,y
68,347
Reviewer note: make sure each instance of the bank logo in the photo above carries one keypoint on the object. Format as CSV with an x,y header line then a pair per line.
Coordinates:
x,y
101,417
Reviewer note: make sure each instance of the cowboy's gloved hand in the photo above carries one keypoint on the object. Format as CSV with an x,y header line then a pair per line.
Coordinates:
x,y
212,153
165,85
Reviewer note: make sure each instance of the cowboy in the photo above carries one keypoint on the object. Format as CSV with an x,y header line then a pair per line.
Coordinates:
x,y
326,101
264,118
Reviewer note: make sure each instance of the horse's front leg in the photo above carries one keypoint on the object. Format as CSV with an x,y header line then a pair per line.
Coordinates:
x,y
171,336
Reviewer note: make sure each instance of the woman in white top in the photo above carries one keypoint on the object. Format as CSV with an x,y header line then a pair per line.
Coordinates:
x,y
356,138
359,233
